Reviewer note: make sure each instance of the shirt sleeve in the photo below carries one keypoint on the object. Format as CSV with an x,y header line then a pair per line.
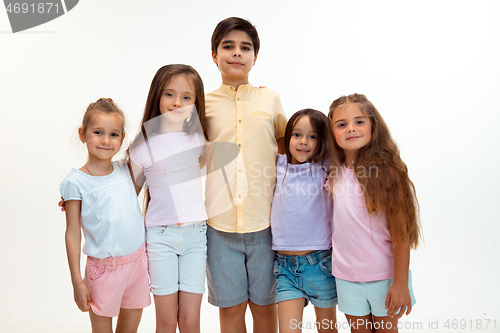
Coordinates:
x,y
281,120
136,154
70,191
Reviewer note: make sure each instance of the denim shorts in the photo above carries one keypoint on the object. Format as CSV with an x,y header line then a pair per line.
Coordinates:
x,y
308,276
240,268
362,298
177,257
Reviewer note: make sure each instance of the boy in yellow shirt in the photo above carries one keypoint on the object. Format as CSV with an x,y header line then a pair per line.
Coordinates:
x,y
249,123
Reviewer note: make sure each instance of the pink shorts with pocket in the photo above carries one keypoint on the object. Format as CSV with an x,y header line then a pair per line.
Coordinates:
x,y
118,282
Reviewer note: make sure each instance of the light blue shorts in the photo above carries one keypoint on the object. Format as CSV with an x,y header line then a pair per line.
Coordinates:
x,y
240,267
177,257
308,276
362,298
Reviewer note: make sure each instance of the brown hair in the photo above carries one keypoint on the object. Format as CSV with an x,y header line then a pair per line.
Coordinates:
x,y
390,190
321,125
152,109
161,79
235,23
105,105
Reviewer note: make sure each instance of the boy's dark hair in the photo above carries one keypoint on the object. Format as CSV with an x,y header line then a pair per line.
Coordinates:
x,y
235,23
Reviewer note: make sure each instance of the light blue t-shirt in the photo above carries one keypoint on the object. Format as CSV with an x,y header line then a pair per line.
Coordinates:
x,y
301,213
111,218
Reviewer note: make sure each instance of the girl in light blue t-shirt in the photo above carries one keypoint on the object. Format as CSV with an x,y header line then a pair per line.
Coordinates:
x,y
100,199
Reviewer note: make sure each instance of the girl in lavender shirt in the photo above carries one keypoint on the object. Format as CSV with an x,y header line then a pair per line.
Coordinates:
x,y
301,224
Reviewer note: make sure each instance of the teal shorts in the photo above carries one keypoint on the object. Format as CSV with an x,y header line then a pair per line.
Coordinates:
x,y
362,298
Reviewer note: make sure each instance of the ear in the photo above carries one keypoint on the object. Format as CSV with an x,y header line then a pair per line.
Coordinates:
x,y
214,57
254,60
81,134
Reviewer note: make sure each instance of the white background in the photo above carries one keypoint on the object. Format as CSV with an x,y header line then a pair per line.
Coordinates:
x,y
431,68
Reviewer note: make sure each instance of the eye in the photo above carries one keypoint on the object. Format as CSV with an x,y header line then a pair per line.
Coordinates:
x,y
187,98
97,132
312,137
297,135
115,134
246,48
360,122
227,47
340,125
169,95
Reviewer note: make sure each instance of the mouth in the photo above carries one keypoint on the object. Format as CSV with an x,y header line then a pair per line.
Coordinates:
x,y
236,64
303,151
352,138
176,111
104,148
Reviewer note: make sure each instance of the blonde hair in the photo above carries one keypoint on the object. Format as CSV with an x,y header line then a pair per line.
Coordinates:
x,y
105,105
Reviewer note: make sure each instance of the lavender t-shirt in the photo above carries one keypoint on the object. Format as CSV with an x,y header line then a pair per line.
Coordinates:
x,y
301,212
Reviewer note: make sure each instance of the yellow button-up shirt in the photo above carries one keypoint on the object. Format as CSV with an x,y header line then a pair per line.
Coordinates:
x,y
243,126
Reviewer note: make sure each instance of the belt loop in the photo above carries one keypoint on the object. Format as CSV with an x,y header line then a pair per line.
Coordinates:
x,y
312,258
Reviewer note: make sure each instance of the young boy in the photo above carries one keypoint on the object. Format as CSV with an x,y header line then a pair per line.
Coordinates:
x,y
245,127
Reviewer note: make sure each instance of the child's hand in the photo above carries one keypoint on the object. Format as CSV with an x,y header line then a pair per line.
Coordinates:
x,y
82,297
398,298
62,204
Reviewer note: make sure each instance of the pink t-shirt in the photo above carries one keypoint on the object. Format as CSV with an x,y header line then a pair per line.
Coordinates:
x,y
172,169
362,247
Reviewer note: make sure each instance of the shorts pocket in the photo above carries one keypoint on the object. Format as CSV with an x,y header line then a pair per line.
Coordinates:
x,y
157,230
276,268
325,266
95,269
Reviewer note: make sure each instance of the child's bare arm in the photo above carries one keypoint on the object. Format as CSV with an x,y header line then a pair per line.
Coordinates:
x,y
398,296
73,239
137,176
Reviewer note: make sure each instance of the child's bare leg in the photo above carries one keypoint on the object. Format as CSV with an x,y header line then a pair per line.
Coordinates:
x,y
265,318
128,320
290,314
327,318
385,324
361,324
232,319
189,312
100,324
166,313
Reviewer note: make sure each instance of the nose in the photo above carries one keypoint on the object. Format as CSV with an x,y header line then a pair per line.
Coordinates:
x,y
177,101
105,139
303,140
237,53
350,128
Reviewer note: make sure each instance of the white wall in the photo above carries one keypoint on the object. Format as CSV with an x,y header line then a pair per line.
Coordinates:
x,y
430,67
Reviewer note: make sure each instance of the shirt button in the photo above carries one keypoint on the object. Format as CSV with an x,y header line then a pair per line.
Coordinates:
x,y
293,260
239,170
239,145
239,196
238,98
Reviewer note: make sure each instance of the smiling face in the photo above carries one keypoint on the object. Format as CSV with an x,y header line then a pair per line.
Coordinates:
x,y
177,101
103,136
352,129
303,141
235,58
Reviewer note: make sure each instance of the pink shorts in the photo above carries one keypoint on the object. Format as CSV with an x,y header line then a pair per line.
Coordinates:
x,y
118,282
